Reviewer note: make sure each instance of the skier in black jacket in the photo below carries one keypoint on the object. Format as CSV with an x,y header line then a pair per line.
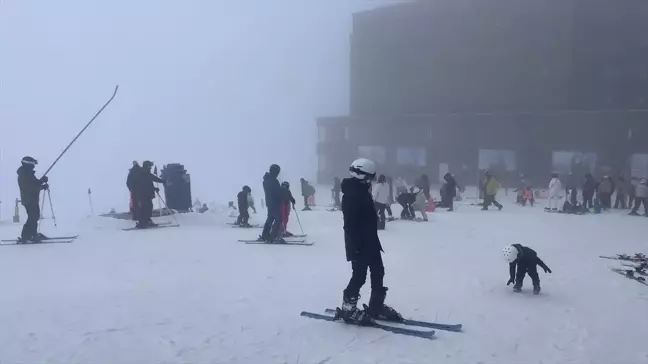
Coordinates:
x,y
589,187
30,188
145,193
526,260
131,183
450,191
243,205
273,194
363,247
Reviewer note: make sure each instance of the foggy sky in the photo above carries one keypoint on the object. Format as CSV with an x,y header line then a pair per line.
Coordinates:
x,y
224,87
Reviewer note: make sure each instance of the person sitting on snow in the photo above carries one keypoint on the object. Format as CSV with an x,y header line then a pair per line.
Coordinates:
x,y
522,261
406,199
420,202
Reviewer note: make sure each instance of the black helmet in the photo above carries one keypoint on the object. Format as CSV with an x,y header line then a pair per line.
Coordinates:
x,y
285,184
247,189
275,169
29,160
147,164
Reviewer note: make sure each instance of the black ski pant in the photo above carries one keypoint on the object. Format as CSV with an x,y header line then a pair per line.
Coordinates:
x,y
523,270
490,199
359,276
380,209
306,203
389,211
30,229
630,201
134,206
145,211
620,200
588,199
638,202
408,211
273,225
336,199
243,217
606,200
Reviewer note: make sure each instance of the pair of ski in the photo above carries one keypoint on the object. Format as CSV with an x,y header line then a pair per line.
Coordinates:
x,y
637,258
631,274
405,327
50,240
293,240
166,224
244,227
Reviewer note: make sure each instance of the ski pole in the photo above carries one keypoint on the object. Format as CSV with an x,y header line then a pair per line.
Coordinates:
x,y
299,221
90,199
49,196
167,207
82,130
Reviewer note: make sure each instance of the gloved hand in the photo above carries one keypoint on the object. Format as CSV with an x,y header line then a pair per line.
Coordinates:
x,y
45,186
44,179
157,189
547,270
511,281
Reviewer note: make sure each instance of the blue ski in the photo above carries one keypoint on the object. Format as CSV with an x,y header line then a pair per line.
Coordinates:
x,y
431,325
378,325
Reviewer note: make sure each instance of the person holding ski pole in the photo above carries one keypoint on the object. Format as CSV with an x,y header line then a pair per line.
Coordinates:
x,y
30,188
146,194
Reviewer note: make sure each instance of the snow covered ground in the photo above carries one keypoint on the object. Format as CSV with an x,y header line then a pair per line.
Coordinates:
x,y
195,295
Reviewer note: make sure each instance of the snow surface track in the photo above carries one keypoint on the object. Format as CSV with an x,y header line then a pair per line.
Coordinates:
x,y
194,295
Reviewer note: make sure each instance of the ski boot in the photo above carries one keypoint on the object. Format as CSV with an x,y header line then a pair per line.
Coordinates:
x,y
151,224
40,236
377,308
633,213
306,209
517,288
350,312
536,289
263,238
287,234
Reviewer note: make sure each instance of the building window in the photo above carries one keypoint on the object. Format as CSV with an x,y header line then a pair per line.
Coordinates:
x,y
321,162
497,160
375,153
321,134
639,166
406,156
578,163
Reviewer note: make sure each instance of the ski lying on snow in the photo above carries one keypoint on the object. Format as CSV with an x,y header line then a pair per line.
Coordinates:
x,y
13,242
52,238
287,242
375,324
151,228
430,325
630,275
638,258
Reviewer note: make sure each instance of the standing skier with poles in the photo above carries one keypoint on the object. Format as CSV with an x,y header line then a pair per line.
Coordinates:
x,y
30,188
145,193
273,195
363,248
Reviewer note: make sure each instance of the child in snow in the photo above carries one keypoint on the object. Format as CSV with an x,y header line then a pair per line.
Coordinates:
x,y
287,201
641,197
526,261
244,215
555,189
420,202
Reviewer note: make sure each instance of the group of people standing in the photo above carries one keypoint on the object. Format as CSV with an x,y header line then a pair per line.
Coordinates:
x,y
140,183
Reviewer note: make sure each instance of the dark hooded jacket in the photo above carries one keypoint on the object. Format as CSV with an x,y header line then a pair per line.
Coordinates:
x,y
527,257
132,177
29,185
450,185
143,181
590,185
272,190
360,220
242,199
286,196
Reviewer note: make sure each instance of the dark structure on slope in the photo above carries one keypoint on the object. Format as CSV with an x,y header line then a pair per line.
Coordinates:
x,y
516,86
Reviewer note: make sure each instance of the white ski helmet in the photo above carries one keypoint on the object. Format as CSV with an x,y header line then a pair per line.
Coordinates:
x,y
363,168
510,253
416,190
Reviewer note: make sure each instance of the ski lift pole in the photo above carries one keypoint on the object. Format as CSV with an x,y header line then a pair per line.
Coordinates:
x,y
49,197
82,130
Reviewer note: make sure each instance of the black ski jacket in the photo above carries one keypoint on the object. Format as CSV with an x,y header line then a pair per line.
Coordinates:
x,y
29,185
451,185
272,190
360,221
590,185
144,183
131,180
527,257
286,196
242,201
337,186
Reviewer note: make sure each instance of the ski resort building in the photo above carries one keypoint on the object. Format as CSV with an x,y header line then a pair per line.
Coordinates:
x,y
515,86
